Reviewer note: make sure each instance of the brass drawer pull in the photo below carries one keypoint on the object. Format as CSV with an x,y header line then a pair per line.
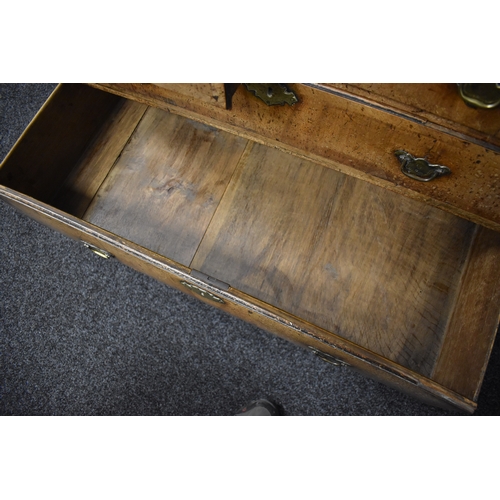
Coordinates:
x,y
272,93
204,293
98,251
419,169
480,95
328,357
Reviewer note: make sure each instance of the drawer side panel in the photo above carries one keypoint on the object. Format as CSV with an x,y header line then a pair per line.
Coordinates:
x,y
99,158
473,326
55,139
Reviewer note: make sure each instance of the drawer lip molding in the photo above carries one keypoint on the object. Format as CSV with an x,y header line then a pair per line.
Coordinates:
x,y
418,113
285,324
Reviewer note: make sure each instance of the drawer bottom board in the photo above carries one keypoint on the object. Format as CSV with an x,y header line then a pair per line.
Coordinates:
x,y
336,251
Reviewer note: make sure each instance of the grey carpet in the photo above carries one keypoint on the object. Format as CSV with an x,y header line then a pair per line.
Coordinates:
x,y
81,335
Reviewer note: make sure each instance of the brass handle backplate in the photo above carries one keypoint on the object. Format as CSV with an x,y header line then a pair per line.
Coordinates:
x,y
419,169
203,293
272,93
480,95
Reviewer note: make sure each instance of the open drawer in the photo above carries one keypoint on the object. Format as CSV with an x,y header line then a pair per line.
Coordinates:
x,y
400,290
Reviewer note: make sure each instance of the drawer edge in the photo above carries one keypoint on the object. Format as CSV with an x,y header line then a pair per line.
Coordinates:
x,y
411,112
250,309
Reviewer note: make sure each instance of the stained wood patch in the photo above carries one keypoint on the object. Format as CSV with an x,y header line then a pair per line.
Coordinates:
x,y
167,183
378,269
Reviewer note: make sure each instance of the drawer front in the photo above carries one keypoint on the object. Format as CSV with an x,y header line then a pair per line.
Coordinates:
x,y
356,139
439,104
323,343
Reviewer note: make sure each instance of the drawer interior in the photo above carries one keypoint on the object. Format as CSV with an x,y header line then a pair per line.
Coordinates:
x,y
381,270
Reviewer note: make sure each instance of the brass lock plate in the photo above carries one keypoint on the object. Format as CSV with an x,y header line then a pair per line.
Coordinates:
x,y
272,93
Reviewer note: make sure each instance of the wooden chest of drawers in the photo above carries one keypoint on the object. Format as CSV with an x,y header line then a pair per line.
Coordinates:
x,y
297,218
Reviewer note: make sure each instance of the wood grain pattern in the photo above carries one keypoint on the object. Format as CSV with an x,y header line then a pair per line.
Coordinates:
x,y
167,183
243,306
85,179
439,103
57,136
211,93
473,326
355,139
378,269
